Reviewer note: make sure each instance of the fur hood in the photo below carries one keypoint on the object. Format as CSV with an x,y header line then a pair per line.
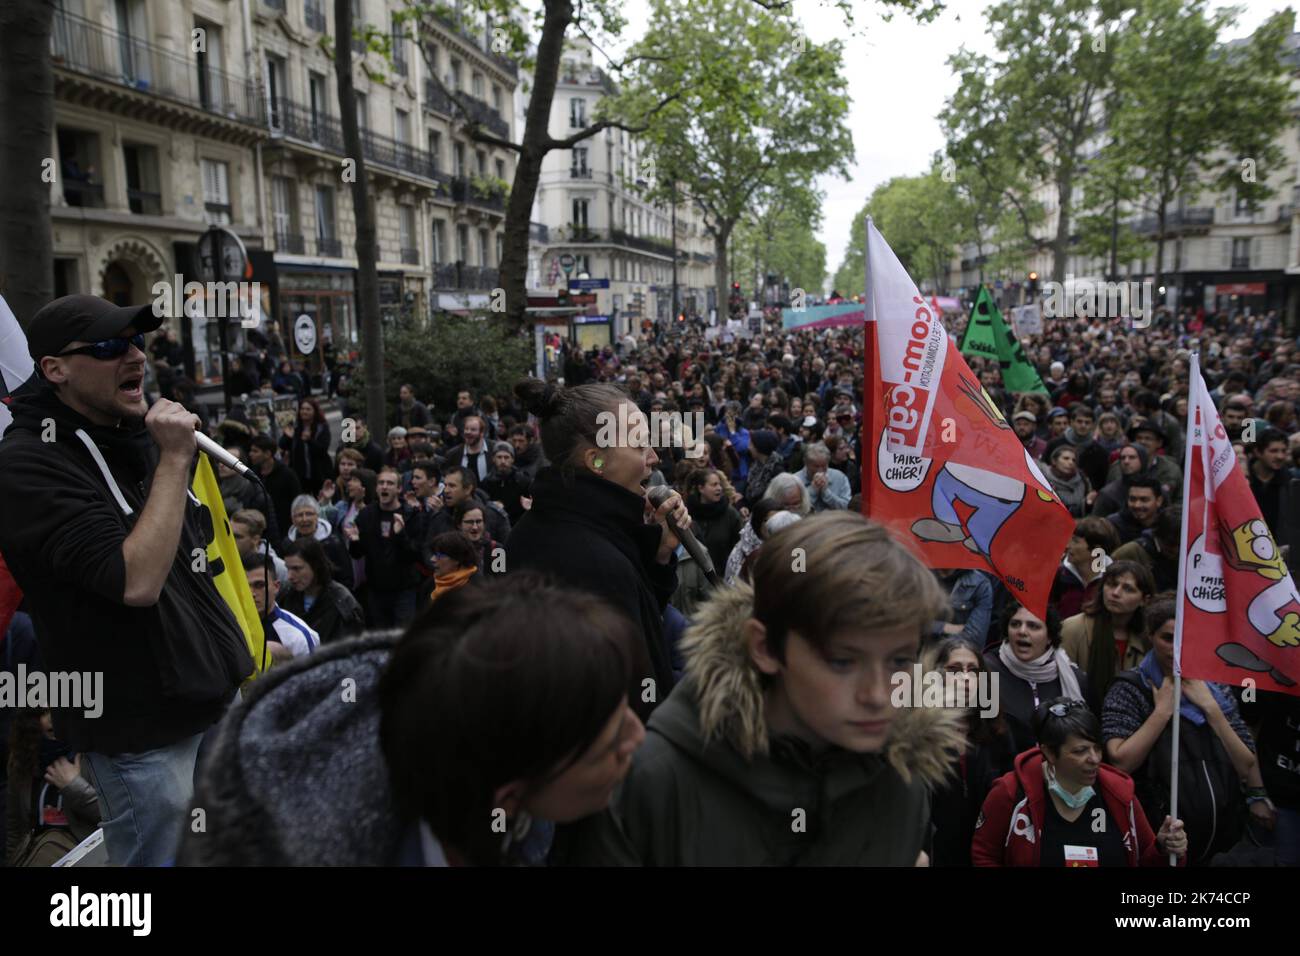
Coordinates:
x,y
729,696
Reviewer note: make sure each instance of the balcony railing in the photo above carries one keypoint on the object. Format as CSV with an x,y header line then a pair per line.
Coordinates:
x,y
1241,262
457,275
643,243
595,77
538,232
576,172
290,242
144,203
1200,216
89,195
329,247
314,15
82,46
411,256
482,112
476,37
300,123
435,99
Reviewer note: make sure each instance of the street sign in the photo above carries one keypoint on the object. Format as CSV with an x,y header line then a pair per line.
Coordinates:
x,y
590,319
587,285
567,262
233,256
304,334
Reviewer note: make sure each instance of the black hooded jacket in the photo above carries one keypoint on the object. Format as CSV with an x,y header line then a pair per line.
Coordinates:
x,y
169,670
590,534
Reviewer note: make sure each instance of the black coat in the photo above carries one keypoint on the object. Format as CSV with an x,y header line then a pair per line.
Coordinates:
x,y
591,534
334,615
310,460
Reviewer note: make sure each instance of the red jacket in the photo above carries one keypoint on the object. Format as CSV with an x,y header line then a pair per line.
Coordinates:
x,y
1007,832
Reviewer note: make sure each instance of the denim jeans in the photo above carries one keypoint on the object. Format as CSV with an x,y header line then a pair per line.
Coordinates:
x,y
143,798
1286,837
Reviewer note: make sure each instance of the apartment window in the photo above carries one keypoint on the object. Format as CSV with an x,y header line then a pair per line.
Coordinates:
x,y
363,111
580,210
406,224
314,14
132,34
1245,208
284,212
462,244
500,242
327,243
458,153
483,248
79,163
358,23
402,126
211,91
501,169
1241,253
143,194
399,46
476,86
439,241
496,98
435,150
577,112
319,103
275,89
216,191
582,264
579,168
480,158
454,80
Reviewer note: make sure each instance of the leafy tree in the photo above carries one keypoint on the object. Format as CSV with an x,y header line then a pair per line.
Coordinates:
x,y
747,104
1025,116
1198,114
779,238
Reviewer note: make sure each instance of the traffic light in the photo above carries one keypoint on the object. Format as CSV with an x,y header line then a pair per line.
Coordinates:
x,y
562,298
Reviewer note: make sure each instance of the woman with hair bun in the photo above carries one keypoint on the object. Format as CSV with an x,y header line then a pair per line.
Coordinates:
x,y
591,525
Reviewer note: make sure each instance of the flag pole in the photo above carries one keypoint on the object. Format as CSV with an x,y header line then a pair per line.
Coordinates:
x,y
1194,396
867,446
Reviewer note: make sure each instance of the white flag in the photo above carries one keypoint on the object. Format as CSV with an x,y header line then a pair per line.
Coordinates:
x,y
16,366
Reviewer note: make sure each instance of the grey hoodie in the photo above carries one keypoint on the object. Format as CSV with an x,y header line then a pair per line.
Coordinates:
x,y
295,776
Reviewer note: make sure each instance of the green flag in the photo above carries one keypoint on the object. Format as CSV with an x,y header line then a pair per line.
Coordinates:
x,y
989,335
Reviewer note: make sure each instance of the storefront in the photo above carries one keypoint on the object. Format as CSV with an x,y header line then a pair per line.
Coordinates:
x,y
327,296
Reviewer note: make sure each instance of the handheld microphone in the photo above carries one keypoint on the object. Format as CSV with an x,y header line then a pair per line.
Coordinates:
x,y
216,452
657,496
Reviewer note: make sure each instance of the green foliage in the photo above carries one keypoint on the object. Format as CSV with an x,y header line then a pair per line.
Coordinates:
x,y
921,219
780,235
755,106
451,354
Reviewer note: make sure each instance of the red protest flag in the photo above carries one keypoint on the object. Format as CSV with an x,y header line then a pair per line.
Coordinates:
x,y
1238,609
942,468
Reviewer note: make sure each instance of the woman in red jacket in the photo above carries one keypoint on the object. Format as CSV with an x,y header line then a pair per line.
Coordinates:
x,y
1061,806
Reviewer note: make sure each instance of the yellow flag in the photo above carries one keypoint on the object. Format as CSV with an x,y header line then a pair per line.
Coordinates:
x,y
228,568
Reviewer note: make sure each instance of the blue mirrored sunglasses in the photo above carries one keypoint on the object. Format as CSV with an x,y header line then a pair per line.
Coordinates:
x,y
109,348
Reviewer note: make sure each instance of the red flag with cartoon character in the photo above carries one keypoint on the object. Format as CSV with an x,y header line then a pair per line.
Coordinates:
x,y
943,468
1239,613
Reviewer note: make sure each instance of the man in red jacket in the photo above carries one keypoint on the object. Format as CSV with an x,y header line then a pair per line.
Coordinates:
x,y
1061,806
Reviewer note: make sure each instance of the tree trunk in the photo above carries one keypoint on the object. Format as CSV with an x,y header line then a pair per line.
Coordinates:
x,y
721,234
1061,242
27,119
372,331
1114,236
528,169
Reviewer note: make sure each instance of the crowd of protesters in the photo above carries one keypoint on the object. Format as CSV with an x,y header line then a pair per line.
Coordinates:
x,y
506,542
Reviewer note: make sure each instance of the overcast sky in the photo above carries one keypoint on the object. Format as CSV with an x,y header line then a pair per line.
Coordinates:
x,y
898,81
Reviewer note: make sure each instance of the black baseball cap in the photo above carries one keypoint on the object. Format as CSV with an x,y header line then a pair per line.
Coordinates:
x,y
84,318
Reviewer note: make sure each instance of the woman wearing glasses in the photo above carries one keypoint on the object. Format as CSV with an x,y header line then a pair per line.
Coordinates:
x,y
455,564
1061,806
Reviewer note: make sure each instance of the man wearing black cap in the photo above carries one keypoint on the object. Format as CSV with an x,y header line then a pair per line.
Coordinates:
x,y
113,566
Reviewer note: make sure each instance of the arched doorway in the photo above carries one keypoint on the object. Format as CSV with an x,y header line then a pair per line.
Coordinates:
x,y
118,287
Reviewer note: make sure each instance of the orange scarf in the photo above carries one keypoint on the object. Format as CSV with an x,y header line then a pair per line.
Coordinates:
x,y
446,583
